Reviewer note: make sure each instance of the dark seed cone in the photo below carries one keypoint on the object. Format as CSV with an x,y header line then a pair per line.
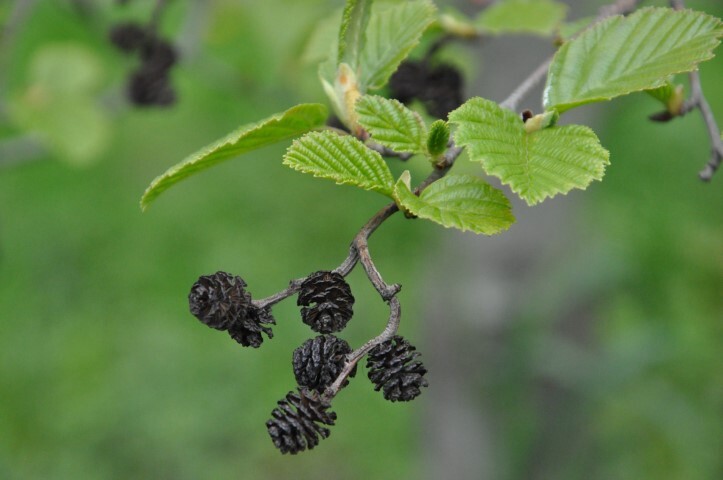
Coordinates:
x,y
439,88
327,302
407,83
127,37
148,87
393,370
158,54
319,361
294,426
247,330
443,91
221,302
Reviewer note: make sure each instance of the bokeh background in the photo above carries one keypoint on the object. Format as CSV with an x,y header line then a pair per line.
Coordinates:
x,y
584,343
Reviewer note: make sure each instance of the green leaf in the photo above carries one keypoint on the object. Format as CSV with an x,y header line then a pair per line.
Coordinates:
x,y
392,33
540,17
392,124
438,138
535,165
354,23
282,126
343,159
621,55
464,202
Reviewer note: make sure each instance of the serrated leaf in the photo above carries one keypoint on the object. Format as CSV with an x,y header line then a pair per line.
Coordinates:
x,y
354,21
391,34
464,202
621,55
282,126
569,29
392,124
539,17
535,165
438,137
343,159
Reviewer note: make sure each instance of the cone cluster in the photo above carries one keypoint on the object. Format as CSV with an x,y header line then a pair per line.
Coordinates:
x,y
150,83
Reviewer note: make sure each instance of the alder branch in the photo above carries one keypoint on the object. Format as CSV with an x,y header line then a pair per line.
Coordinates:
x,y
698,101
620,7
359,249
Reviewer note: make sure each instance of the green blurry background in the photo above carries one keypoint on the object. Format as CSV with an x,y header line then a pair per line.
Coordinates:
x,y
584,343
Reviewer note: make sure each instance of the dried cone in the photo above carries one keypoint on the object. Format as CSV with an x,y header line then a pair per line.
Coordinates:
x,y
221,302
393,370
327,302
319,361
294,426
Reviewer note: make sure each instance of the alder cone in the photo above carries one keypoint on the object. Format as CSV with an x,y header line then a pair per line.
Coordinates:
x,y
439,88
149,86
221,302
127,37
319,361
394,371
327,302
247,330
295,423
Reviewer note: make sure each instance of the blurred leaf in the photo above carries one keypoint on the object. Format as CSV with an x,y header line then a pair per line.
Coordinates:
x,y
66,69
537,164
464,202
457,23
621,55
282,126
392,124
322,41
59,103
343,159
352,32
539,17
392,33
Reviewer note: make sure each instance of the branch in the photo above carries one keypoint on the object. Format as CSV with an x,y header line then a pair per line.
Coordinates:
x,y
512,101
698,101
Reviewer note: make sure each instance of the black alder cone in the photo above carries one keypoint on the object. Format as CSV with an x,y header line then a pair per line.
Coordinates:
x,y
128,37
221,302
327,302
319,361
295,422
149,86
439,88
394,371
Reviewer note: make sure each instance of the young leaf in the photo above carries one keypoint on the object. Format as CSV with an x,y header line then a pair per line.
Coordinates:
x,y
438,138
464,202
392,124
289,124
391,34
621,55
354,22
343,159
540,17
535,165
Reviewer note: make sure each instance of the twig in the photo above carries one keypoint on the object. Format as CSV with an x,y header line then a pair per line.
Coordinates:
x,y
388,152
513,100
359,249
698,101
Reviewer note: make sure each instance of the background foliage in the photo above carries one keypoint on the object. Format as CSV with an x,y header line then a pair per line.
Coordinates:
x,y
608,367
